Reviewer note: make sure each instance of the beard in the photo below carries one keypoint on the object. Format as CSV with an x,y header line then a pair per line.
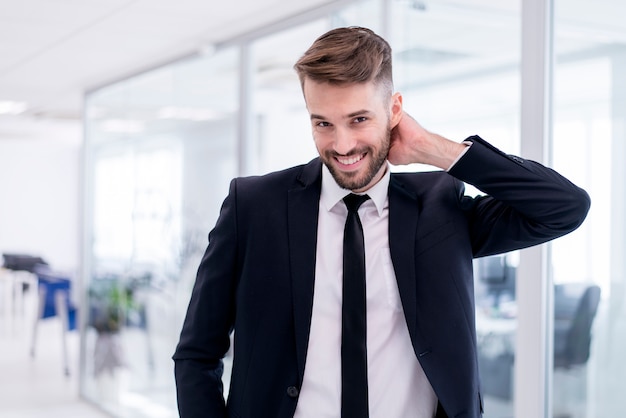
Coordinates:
x,y
357,180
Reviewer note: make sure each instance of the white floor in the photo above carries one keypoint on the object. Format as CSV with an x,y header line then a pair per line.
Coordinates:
x,y
34,387
38,387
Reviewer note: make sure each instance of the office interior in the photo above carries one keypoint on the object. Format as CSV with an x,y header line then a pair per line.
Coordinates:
x,y
110,206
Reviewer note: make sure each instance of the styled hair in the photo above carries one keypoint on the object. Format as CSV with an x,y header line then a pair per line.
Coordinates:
x,y
347,55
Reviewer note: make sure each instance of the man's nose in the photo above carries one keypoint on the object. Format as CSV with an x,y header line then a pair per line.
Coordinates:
x,y
345,141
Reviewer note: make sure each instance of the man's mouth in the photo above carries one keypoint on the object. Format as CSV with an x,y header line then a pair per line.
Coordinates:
x,y
350,159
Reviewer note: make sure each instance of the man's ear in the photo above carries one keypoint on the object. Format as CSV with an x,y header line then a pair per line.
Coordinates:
x,y
395,110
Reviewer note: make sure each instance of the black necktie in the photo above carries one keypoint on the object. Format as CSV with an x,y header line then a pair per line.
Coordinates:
x,y
354,319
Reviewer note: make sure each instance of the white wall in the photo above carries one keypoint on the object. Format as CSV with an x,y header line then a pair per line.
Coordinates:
x,y
40,186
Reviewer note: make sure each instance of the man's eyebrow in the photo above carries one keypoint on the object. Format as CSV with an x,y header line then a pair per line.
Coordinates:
x,y
358,113
348,116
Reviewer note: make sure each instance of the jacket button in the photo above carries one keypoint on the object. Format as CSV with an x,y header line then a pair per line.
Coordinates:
x,y
293,392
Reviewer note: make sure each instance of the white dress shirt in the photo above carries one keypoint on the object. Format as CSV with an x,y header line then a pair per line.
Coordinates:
x,y
397,384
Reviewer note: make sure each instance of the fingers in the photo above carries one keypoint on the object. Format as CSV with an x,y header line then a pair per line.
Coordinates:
x,y
405,141
411,143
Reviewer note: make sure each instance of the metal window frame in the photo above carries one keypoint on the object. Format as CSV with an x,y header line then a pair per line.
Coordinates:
x,y
534,345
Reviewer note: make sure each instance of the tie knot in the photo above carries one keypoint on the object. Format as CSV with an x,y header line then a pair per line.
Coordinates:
x,y
354,201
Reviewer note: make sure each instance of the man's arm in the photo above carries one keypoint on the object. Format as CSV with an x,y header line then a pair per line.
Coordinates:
x,y
526,203
205,339
199,388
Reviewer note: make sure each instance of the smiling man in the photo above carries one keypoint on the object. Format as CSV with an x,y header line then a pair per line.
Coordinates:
x,y
353,142
349,289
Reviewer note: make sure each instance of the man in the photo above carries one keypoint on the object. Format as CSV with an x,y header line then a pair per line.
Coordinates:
x,y
273,271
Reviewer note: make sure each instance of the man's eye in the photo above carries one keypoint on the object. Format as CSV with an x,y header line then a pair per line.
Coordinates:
x,y
323,124
360,119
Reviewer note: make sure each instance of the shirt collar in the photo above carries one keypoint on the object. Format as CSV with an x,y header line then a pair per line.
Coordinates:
x,y
332,193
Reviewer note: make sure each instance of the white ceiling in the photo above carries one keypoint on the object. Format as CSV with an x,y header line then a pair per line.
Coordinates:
x,y
51,51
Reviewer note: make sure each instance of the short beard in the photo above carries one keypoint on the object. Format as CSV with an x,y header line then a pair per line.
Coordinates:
x,y
350,181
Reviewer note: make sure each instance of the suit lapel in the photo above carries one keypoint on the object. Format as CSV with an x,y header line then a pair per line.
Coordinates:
x,y
302,215
403,215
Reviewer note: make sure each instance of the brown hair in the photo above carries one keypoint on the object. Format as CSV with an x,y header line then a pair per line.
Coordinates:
x,y
347,55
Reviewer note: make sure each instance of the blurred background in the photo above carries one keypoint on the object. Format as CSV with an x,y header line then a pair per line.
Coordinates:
x,y
123,121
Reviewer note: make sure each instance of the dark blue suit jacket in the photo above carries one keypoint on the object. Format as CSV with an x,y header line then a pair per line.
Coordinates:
x,y
257,277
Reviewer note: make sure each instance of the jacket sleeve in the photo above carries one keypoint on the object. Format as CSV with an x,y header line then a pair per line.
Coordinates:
x,y
526,203
205,336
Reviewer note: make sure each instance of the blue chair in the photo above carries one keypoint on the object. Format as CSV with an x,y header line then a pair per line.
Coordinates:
x,y
55,301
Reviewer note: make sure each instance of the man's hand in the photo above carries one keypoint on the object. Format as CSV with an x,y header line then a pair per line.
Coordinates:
x,y
411,143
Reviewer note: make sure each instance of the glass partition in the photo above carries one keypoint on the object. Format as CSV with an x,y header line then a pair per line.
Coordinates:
x,y
282,135
458,67
161,148
589,267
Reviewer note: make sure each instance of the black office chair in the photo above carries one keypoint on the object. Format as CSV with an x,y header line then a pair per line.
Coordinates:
x,y
497,276
575,307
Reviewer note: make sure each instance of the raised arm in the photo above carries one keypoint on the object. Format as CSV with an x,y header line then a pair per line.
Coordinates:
x,y
525,203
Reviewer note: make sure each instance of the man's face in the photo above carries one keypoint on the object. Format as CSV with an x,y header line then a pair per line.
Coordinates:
x,y
351,128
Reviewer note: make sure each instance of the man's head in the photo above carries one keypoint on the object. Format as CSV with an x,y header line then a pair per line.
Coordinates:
x,y
345,56
346,79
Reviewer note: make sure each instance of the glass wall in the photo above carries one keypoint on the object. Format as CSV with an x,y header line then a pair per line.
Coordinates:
x,y
458,67
282,137
589,265
162,146
161,149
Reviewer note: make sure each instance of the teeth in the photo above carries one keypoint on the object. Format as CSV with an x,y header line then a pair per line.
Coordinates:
x,y
350,160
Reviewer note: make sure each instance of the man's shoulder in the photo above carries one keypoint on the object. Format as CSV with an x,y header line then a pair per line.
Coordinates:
x,y
303,173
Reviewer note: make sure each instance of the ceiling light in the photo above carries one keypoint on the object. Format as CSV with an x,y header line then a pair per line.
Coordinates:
x,y
125,126
206,49
8,107
188,113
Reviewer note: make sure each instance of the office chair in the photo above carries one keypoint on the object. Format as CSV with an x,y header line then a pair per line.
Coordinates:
x,y
498,277
575,307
